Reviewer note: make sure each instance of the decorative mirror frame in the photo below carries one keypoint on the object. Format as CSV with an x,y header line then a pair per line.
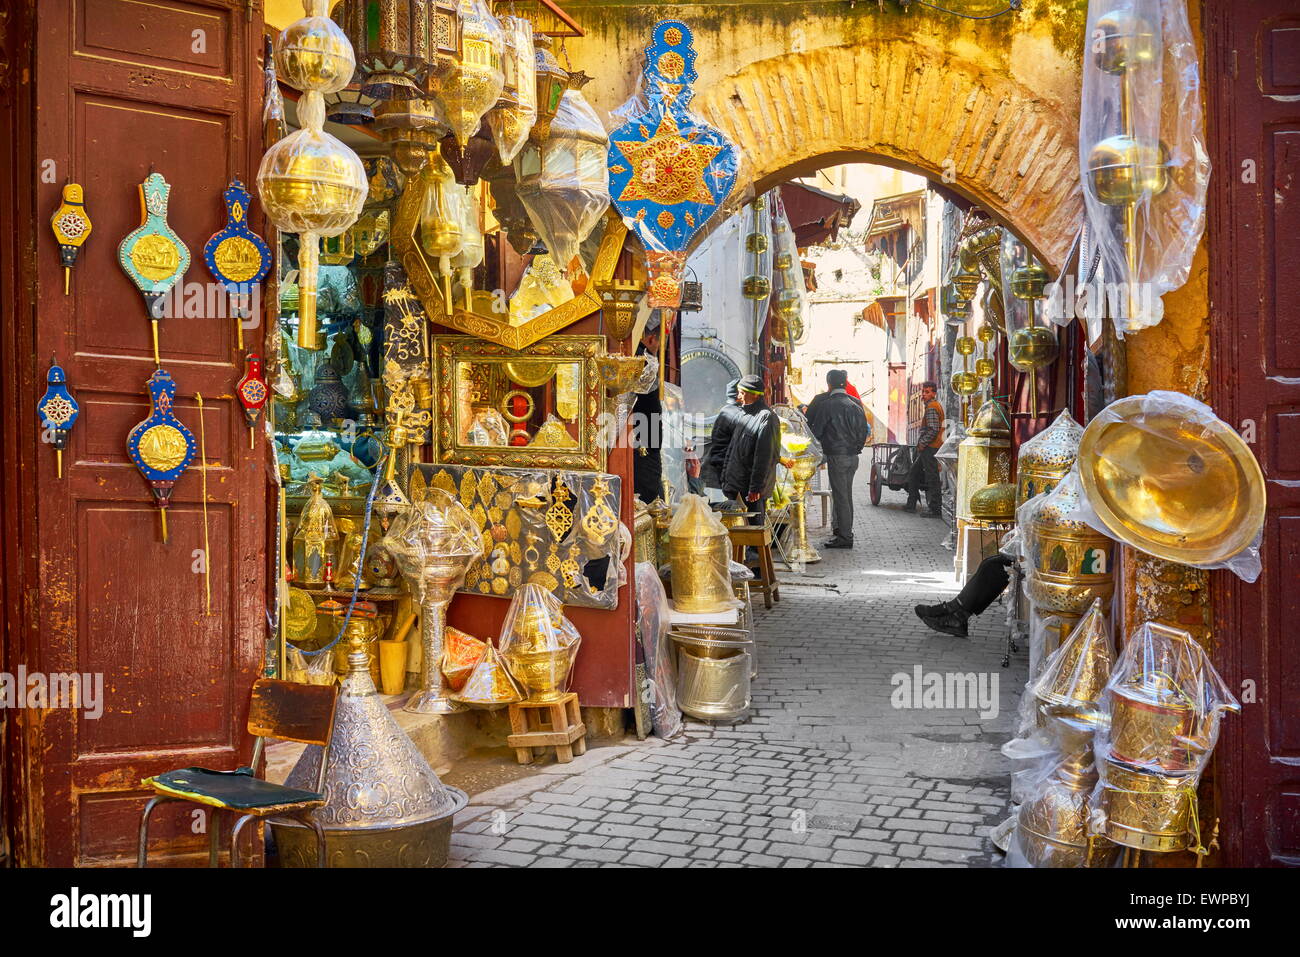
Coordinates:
x,y
424,277
448,350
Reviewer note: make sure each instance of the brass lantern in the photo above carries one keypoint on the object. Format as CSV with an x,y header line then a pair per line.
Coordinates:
x,y
618,302
400,44
564,183
1033,346
983,457
552,81
511,120
441,218
474,83
412,128
1047,458
311,183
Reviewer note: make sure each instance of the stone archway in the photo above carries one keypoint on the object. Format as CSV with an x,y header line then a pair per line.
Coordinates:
x,y
926,110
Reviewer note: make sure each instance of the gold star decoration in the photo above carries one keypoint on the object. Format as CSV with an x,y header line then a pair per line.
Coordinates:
x,y
668,168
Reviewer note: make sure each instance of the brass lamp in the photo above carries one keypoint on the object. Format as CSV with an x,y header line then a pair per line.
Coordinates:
x,y
552,81
1034,346
511,120
474,83
435,541
1047,458
983,457
412,128
964,382
618,303
441,218
802,469
400,44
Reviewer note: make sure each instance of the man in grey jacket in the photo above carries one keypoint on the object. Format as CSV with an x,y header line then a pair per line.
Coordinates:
x,y
840,425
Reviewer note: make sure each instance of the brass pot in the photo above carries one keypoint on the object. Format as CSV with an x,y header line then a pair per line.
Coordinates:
x,y
1152,725
713,688
1071,566
543,673
701,572
1146,811
1052,828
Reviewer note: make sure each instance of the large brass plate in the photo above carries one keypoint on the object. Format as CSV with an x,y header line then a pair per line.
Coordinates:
x,y
1185,490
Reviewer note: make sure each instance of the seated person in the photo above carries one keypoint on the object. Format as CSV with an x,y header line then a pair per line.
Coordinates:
x,y
989,581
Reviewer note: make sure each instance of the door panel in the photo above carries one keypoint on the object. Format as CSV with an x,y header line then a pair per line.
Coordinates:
x,y
123,89
1252,70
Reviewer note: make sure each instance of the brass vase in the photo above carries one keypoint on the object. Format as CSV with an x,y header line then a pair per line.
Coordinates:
x,y
802,470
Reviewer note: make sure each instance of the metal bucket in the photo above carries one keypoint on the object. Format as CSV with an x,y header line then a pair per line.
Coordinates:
x,y
701,576
713,688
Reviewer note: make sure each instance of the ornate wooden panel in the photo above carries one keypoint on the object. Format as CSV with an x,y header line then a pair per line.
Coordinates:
x,y
123,87
1252,69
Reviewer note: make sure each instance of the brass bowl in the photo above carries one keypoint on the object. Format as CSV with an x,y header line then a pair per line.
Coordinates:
x,y
1187,492
542,673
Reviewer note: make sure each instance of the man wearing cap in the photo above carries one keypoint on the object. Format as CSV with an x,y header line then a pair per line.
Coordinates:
x,y
724,427
925,467
837,420
750,469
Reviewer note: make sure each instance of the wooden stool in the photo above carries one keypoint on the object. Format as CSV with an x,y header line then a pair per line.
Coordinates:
x,y
750,536
825,496
538,725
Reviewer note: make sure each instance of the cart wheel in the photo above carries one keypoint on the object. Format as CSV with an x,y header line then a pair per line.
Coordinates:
x,y
876,483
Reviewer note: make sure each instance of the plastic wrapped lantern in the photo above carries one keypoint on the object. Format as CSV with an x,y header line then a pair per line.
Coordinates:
x,y
472,248
309,182
475,81
552,81
564,183
538,643
512,119
441,230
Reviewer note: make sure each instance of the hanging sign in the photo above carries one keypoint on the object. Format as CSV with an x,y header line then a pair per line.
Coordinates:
x,y
669,170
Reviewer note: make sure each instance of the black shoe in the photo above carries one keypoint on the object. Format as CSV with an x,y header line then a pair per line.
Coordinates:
x,y
949,621
909,507
931,610
838,543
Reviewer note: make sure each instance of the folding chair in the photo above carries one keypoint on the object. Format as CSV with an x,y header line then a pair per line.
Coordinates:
x,y
281,711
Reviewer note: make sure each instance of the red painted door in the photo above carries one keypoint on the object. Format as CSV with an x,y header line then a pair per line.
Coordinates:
x,y
119,87
1253,75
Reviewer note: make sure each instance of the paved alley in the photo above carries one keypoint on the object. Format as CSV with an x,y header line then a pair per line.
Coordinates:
x,y
826,771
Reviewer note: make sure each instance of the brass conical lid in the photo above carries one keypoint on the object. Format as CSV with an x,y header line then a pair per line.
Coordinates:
x,y
1075,675
991,421
490,684
377,778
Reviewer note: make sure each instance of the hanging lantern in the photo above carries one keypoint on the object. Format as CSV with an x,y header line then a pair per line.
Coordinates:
x,y
412,128
471,251
310,183
399,44
512,119
441,233
1033,346
552,81
510,212
475,81
564,183
467,163
350,107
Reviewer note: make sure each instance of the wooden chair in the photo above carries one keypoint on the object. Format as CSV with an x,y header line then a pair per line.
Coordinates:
x,y
281,711
760,539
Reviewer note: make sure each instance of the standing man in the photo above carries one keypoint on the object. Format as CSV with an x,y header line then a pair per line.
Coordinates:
x,y
724,427
836,418
647,464
750,470
925,468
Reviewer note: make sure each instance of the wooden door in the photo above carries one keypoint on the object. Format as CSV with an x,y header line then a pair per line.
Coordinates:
x,y
1252,68
120,87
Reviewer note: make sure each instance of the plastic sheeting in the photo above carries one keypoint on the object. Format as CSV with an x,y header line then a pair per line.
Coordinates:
x,y
653,617
1142,152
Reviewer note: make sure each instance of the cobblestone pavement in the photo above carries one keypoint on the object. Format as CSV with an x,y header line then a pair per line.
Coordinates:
x,y
826,771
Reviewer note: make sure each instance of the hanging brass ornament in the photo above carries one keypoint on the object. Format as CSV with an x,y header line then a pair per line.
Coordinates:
x,y
1034,346
160,445
58,412
252,393
236,256
310,182
400,45
71,227
441,218
552,81
412,128
511,120
152,255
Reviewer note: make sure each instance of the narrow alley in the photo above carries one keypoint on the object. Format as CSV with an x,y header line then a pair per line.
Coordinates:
x,y
826,771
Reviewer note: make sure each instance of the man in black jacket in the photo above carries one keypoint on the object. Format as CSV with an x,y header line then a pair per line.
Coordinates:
x,y
839,423
724,426
750,470
647,463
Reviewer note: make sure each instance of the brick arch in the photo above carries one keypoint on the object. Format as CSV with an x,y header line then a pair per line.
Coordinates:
x,y
901,104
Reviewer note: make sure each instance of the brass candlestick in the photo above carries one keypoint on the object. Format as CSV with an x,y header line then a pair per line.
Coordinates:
x,y
802,469
1035,346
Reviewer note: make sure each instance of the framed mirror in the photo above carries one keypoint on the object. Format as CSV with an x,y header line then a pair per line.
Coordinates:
x,y
535,409
544,302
